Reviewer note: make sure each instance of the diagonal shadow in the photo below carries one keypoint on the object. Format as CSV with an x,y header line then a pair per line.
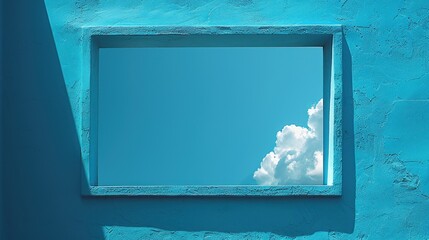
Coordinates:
x,y
41,165
41,158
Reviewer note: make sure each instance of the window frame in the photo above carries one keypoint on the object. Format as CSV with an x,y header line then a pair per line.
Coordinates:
x,y
330,37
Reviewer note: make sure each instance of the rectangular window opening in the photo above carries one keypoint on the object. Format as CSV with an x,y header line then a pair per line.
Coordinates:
x,y
213,114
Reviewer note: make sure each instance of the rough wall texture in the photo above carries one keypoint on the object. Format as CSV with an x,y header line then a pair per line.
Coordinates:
x,y
386,110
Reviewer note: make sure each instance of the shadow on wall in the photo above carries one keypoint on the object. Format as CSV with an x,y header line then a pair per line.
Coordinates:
x,y
42,162
41,155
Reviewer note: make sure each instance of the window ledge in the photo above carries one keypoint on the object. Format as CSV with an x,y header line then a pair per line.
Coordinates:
x,y
208,190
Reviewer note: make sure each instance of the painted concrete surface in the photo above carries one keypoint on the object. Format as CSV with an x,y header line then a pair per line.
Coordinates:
x,y
385,115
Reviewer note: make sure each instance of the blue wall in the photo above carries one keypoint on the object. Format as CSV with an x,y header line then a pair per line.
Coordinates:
x,y
386,110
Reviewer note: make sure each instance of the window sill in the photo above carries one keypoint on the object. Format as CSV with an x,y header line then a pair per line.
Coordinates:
x,y
216,190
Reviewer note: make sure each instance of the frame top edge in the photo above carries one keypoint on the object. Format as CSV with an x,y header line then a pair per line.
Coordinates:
x,y
211,30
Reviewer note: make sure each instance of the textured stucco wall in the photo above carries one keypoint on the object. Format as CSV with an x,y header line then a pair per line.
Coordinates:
x,y
386,114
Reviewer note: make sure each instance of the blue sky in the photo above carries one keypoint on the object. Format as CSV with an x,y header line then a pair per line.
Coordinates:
x,y
200,115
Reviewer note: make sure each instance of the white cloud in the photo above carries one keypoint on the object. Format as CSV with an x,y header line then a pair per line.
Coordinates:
x,y
297,157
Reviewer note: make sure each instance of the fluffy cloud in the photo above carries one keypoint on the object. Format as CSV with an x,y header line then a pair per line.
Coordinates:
x,y
298,155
